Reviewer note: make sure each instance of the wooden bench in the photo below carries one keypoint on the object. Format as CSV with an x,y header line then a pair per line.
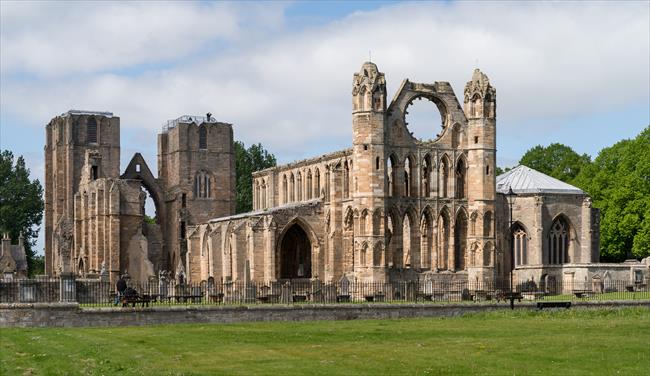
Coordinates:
x,y
343,298
542,305
583,293
423,296
215,298
188,298
135,299
505,296
299,298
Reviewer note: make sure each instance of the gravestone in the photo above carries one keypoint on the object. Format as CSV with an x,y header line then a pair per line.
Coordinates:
x,y
596,284
286,295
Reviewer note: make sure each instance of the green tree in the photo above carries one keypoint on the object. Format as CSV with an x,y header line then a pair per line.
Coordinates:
x,y
21,203
556,160
619,183
247,161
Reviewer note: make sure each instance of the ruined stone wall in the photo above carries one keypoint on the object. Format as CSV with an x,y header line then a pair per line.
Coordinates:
x,y
108,230
246,247
71,139
393,201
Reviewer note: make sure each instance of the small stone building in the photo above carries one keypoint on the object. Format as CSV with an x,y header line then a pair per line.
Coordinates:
x,y
13,261
554,233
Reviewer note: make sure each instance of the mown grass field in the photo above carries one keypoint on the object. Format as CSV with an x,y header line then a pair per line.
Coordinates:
x,y
571,342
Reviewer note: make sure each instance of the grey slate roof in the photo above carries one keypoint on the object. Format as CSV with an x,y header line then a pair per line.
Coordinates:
x,y
524,179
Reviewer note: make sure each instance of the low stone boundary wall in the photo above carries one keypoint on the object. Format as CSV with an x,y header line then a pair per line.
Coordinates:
x,y
71,315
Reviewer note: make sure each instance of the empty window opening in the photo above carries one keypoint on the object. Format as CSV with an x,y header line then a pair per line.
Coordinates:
x,y
202,185
423,119
184,200
91,131
377,163
476,139
487,170
94,172
203,138
137,168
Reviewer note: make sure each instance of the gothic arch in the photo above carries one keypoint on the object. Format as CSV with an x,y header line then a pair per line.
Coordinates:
x,y
426,237
285,189
444,172
488,249
377,217
456,136
138,169
460,240
444,234
294,229
409,172
425,184
488,224
410,240
364,223
461,177
391,167
559,241
520,240
377,254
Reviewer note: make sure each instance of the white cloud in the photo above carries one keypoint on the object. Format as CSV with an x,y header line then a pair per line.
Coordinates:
x,y
290,90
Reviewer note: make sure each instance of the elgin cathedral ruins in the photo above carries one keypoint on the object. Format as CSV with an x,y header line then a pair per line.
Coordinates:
x,y
390,207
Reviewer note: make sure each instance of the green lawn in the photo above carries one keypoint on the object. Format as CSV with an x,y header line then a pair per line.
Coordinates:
x,y
571,342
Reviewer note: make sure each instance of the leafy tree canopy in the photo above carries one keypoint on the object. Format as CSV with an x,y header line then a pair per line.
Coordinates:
x,y
247,161
556,160
619,183
21,204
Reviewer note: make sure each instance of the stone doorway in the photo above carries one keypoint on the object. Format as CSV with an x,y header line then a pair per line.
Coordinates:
x,y
295,254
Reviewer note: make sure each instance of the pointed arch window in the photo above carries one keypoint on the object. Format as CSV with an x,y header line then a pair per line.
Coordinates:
x,y
317,183
299,187
202,187
559,242
444,176
426,177
203,137
460,241
520,245
309,189
487,224
390,176
346,180
91,131
460,179
285,189
407,177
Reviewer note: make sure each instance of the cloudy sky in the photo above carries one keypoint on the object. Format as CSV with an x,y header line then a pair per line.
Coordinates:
x,y
281,72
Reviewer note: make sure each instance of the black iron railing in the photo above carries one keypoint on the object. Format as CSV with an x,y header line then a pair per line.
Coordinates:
x,y
96,293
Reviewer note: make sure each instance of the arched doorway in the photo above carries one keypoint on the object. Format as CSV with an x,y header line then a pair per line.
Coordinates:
x,y
295,254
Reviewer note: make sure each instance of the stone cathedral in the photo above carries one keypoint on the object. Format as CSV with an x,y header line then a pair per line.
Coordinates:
x,y
391,207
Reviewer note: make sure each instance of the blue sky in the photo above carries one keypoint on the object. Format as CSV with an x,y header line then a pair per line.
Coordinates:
x,y
281,72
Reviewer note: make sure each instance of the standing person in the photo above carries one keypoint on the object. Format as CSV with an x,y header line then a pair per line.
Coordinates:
x,y
121,287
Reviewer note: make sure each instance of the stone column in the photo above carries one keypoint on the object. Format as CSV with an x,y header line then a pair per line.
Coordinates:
x,y
537,233
585,242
